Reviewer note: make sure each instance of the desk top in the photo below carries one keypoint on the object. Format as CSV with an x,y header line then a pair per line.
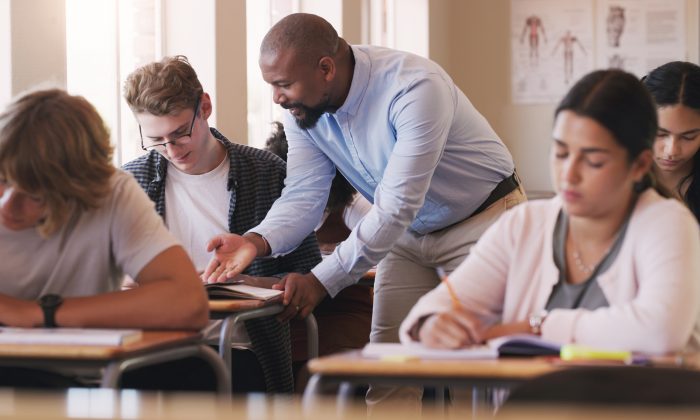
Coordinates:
x,y
235,305
353,364
150,340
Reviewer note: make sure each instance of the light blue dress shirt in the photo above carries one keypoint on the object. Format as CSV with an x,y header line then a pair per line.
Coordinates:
x,y
408,140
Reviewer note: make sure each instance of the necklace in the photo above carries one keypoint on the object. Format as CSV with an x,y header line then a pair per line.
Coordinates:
x,y
580,265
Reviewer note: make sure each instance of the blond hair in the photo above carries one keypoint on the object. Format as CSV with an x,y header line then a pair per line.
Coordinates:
x,y
56,146
164,87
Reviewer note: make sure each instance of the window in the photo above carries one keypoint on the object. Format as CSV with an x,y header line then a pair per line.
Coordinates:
x,y
260,16
105,41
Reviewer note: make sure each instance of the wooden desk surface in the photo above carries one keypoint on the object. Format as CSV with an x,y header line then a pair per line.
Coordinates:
x,y
150,340
240,305
235,305
353,364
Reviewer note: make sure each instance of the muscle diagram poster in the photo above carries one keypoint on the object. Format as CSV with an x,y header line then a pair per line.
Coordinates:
x,y
638,36
555,42
551,47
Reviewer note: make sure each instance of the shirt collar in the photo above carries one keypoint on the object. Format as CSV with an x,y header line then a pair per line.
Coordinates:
x,y
360,81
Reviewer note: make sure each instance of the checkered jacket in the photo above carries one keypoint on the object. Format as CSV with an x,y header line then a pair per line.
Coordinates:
x,y
256,178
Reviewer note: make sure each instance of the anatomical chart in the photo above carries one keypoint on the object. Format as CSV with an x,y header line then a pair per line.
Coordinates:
x,y
639,35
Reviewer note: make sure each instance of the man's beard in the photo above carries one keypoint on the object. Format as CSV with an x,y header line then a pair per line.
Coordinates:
x,y
311,114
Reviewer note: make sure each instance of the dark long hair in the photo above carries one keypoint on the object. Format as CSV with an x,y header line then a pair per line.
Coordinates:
x,y
620,103
678,83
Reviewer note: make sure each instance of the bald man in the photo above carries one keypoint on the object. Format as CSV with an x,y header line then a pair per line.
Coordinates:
x,y
396,126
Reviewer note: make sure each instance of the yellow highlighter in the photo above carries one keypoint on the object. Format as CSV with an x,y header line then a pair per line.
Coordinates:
x,y
570,352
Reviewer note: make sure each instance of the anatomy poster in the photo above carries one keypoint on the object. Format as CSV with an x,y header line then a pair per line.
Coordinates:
x,y
551,47
639,35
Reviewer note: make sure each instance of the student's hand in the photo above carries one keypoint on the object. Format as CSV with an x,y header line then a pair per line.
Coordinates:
x,y
451,330
302,292
232,254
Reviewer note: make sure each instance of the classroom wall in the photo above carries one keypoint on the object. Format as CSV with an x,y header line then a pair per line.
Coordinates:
x,y
479,61
469,38
38,37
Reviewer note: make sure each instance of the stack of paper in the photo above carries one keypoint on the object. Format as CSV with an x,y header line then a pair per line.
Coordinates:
x,y
69,336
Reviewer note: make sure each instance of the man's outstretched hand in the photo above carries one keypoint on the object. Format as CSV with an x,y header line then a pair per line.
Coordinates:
x,y
232,254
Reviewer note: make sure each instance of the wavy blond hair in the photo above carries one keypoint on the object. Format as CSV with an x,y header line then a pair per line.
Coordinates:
x,y
163,87
57,147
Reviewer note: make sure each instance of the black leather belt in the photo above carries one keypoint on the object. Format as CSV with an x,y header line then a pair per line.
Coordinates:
x,y
503,188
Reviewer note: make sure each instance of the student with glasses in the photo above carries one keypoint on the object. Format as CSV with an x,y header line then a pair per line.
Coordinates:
x,y
203,185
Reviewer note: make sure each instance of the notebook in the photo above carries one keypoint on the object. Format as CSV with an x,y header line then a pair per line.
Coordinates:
x,y
69,336
512,345
241,291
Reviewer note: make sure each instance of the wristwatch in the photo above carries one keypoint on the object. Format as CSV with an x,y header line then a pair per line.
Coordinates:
x,y
535,320
49,304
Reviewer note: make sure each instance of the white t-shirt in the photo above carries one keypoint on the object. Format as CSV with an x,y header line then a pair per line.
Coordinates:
x,y
90,255
196,208
352,213
356,210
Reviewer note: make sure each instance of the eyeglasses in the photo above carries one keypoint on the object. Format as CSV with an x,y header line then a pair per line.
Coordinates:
x,y
179,140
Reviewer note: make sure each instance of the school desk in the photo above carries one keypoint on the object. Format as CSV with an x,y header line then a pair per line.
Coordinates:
x,y
151,348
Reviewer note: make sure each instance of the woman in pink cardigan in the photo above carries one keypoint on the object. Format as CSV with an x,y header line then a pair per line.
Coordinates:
x,y
608,262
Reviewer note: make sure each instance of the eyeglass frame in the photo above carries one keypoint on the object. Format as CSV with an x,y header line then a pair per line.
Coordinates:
x,y
174,141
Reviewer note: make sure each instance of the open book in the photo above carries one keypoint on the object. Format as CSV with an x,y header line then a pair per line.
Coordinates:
x,y
245,287
68,336
512,345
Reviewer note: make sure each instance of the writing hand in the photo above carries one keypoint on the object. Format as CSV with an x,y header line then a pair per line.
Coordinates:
x,y
451,330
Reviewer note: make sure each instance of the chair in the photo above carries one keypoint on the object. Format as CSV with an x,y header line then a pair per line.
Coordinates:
x,y
611,385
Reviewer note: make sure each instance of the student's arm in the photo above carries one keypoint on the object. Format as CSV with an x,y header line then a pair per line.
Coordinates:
x,y
169,296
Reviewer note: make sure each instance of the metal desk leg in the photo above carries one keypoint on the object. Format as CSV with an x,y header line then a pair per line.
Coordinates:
x,y
230,321
116,368
312,393
311,336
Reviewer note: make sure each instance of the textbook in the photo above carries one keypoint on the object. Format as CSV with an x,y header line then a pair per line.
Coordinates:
x,y
238,290
512,345
69,336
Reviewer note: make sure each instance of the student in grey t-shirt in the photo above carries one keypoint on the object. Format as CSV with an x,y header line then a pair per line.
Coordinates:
x,y
71,225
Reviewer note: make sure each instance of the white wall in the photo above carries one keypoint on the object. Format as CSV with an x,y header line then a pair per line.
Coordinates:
x,y
38,34
5,54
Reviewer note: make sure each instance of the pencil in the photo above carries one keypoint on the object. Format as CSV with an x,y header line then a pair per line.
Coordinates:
x,y
443,277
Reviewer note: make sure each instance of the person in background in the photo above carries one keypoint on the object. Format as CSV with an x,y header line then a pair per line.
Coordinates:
x,y
71,225
202,185
616,264
675,88
343,321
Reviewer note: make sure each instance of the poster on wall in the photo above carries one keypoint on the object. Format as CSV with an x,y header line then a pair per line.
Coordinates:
x,y
551,48
639,35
